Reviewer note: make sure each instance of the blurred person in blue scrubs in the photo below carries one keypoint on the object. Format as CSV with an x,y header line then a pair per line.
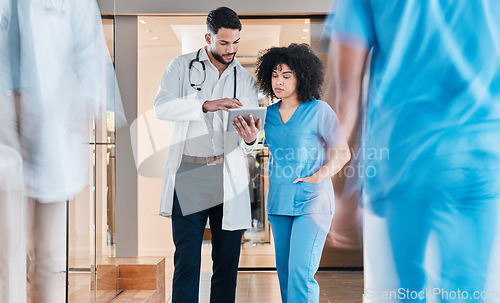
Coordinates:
x,y
55,76
433,102
307,148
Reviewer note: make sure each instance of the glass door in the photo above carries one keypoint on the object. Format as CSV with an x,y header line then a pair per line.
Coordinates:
x,y
161,39
91,223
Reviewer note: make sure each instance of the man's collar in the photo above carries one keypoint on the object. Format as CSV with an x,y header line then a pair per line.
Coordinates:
x,y
203,54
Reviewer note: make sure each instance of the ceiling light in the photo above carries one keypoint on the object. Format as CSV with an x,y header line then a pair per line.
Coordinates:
x,y
307,21
305,30
149,31
156,38
142,22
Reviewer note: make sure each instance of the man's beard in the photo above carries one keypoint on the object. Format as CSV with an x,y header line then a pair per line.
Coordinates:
x,y
220,59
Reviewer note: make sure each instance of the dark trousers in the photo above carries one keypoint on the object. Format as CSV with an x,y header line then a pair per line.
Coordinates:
x,y
188,236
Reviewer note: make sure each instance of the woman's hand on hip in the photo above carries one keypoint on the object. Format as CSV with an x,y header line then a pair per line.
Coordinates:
x,y
311,179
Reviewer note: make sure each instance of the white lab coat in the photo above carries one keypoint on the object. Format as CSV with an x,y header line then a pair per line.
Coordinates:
x,y
66,74
9,75
56,60
178,102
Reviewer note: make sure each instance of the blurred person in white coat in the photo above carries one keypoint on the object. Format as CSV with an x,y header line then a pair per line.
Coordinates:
x,y
12,206
56,62
206,176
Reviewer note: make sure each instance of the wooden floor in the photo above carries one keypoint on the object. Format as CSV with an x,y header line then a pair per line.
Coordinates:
x,y
263,287
253,287
340,286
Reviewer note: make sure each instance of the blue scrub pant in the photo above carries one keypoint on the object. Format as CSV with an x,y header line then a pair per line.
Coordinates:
x,y
226,245
299,242
455,197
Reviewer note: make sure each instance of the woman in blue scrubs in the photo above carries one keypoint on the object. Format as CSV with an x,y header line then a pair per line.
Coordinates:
x,y
307,148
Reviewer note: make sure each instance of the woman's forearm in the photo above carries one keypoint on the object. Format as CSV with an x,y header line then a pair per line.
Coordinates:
x,y
338,157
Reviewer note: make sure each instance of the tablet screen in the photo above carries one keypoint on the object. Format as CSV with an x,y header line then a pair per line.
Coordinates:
x,y
257,113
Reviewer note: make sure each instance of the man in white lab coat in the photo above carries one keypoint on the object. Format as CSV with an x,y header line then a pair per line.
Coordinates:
x,y
205,175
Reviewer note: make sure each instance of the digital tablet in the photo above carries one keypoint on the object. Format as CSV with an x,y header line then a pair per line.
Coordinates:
x,y
257,113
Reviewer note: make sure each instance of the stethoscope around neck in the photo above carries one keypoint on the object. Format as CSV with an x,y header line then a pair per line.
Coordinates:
x,y
197,86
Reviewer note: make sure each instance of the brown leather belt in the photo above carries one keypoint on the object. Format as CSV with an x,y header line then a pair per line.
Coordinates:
x,y
203,160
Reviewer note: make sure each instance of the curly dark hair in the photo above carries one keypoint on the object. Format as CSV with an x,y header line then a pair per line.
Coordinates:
x,y
306,66
222,17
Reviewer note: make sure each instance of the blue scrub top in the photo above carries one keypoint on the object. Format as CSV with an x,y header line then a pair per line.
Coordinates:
x,y
434,83
299,148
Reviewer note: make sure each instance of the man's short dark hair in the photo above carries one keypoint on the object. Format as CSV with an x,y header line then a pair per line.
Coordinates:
x,y
222,17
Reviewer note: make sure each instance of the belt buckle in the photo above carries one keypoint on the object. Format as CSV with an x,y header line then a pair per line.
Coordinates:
x,y
211,161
